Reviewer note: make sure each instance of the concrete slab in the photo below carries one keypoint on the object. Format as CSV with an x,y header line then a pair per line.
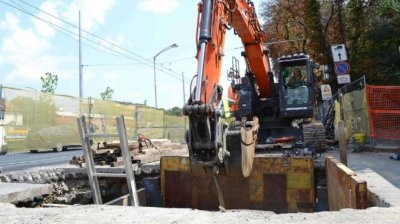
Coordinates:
x,y
14,192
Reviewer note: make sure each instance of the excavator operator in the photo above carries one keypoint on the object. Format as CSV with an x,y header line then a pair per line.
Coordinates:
x,y
297,79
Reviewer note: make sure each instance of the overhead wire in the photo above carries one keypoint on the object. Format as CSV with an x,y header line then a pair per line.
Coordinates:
x,y
66,34
65,31
101,65
176,74
60,28
159,66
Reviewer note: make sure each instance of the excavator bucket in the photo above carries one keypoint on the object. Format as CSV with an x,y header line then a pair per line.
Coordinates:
x,y
276,183
241,146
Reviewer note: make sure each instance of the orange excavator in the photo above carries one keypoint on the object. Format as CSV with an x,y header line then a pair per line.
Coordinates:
x,y
208,136
228,166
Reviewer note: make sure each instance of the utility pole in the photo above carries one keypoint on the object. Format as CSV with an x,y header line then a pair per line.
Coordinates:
x,y
184,97
183,88
155,82
80,59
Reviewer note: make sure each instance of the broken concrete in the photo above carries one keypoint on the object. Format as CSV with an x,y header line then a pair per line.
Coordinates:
x,y
16,192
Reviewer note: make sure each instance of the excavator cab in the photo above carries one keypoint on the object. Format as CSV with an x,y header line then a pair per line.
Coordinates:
x,y
296,86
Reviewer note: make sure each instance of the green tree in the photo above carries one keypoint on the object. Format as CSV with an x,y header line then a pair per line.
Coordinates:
x,y
107,94
174,111
369,28
389,7
49,82
315,36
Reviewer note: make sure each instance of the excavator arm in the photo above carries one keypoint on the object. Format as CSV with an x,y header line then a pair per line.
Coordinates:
x,y
214,19
212,143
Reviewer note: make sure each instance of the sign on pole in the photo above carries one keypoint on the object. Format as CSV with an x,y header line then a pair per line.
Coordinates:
x,y
343,79
339,52
342,68
326,92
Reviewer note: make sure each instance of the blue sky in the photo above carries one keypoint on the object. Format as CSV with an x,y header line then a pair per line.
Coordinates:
x,y
30,47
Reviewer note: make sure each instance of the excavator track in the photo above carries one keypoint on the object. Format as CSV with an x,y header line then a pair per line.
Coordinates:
x,y
314,134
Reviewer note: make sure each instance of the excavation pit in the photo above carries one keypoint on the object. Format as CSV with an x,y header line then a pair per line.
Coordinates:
x,y
71,187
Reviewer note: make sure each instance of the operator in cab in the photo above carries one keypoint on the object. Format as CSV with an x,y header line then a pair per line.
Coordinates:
x,y
297,79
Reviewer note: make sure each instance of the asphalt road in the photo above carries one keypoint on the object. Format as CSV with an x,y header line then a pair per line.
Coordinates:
x,y
19,161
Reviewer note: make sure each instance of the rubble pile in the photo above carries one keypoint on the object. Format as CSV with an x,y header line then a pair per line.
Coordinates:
x,y
65,195
141,153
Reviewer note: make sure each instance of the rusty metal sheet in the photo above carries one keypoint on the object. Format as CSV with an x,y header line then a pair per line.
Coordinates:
x,y
359,193
275,192
182,190
272,185
345,189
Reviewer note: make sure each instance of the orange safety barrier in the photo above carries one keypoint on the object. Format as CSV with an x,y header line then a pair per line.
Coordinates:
x,y
384,111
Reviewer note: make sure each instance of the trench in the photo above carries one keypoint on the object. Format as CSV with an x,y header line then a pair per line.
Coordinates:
x,y
73,189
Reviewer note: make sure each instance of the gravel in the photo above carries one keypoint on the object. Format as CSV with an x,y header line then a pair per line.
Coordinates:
x,y
118,214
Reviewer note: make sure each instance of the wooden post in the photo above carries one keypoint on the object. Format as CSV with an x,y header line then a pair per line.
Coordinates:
x,y
341,105
342,143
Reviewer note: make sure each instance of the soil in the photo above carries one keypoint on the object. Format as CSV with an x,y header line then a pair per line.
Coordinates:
x,y
117,214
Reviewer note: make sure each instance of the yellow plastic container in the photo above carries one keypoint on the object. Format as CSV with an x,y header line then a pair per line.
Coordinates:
x,y
359,138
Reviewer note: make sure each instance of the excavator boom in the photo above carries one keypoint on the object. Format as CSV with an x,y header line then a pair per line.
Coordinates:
x,y
215,18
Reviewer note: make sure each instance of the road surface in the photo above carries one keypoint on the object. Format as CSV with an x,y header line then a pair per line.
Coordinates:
x,y
19,161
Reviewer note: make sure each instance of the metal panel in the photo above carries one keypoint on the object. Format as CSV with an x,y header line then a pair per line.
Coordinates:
x,y
345,189
274,184
275,191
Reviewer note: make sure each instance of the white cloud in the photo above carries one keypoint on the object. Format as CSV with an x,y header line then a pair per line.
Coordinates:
x,y
27,53
120,38
43,28
31,69
28,48
1,60
112,43
23,42
88,76
93,12
159,6
11,22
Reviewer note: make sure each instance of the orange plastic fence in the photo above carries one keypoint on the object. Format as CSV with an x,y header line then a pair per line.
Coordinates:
x,y
384,111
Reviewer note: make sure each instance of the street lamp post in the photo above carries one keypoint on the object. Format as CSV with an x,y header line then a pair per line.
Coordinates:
x,y
154,64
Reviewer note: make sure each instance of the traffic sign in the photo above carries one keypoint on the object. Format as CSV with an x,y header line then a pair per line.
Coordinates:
x,y
339,52
343,79
326,92
342,68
